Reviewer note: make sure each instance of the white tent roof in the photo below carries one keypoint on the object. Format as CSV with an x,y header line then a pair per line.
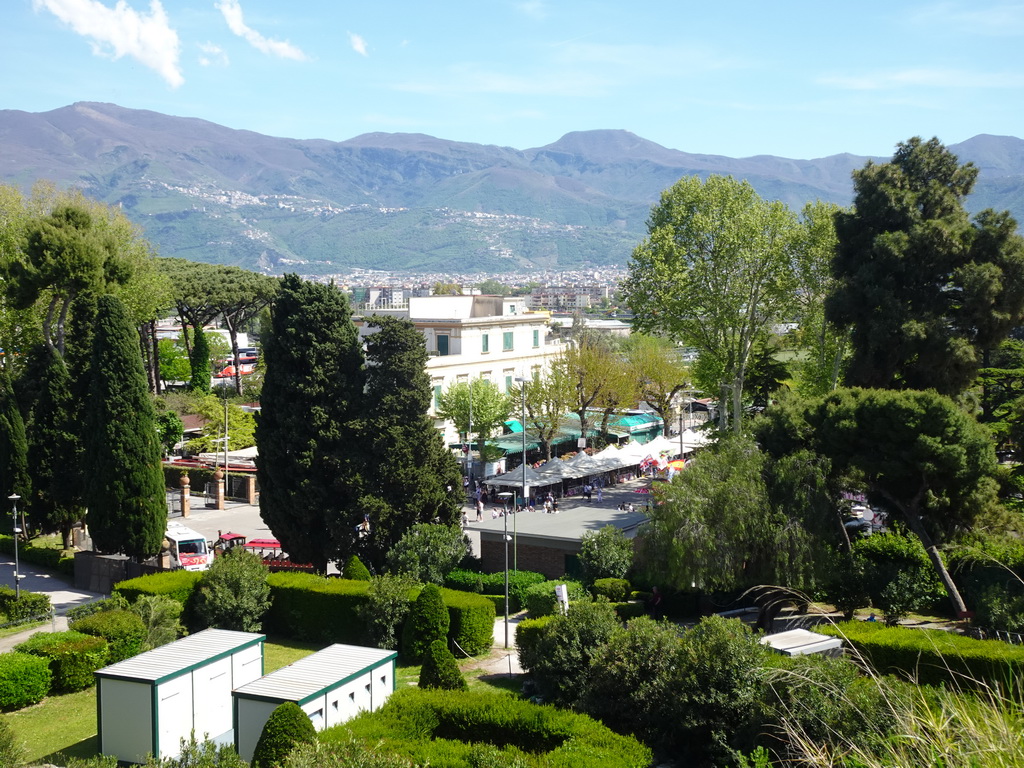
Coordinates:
x,y
242,454
695,439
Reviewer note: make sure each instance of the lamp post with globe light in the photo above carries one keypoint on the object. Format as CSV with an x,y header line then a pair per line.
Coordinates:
x,y
14,498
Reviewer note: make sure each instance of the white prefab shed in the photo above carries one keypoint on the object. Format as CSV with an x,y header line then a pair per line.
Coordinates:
x,y
149,703
331,686
802,642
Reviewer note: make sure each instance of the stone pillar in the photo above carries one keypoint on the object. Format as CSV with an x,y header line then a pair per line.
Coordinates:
x,y
186,503
218,484
250,489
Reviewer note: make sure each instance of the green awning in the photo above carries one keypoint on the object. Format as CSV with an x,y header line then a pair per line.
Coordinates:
x,y
514,425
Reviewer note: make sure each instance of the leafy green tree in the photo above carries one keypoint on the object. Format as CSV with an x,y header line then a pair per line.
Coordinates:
x,y
476,406
439,669
194,286
427,553
605,554
234,593
387,604
446,289
492,287
766,374
287,727
411,476
310,467
240,298
919,456
199,363
53,447
241,426
161,615
593,372
655,364
174,362
428,621
924,289
715,270
548,397
125,491
170,428
14,477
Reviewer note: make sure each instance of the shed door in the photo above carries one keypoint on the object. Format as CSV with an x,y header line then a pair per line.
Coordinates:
x,y
211,707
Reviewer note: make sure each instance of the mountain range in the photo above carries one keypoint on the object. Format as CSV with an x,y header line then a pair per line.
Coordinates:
x,y
407,202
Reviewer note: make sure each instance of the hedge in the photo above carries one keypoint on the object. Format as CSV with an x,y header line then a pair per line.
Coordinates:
x,y
434,727
24,680
472,621
198,477
616,590
528,635
124,630
306,606
73,657
935,657
30,605
494,584
47,557
541,600
177,585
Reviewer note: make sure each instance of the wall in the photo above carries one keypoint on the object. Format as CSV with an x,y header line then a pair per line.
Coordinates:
x,y
548,559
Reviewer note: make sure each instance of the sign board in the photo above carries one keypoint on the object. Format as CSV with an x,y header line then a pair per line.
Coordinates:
x,y
562,595
581,443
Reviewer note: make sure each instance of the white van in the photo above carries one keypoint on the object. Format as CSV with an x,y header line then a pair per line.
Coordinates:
x,y
188,549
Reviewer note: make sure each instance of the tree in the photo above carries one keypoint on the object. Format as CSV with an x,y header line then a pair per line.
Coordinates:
x,y
411,476
53,447
594,376
605,554
655,364
446,289
548,398
310,468
241,426
476,406
199,363
492,287
174,363
387,604
171,429
766,374
125,490
14,477
439,669
428,621
234,593
241,297
355,570
427,553
925,290
286,728
919,456
715,270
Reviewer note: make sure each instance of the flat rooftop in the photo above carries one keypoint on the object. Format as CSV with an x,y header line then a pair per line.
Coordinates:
x,y
568,525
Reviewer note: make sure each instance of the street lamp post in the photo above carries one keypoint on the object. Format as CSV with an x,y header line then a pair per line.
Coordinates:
x,y
469,438
504,508
526,491
17,576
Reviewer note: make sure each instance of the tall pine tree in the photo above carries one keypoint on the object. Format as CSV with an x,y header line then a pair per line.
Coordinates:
x,y
411,475
199,360
309,463
125,482
13,447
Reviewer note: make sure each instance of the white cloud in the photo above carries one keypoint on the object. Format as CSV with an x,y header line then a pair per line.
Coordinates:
x,y
232,13
923,78
123,31
1002,19
212,55
358,43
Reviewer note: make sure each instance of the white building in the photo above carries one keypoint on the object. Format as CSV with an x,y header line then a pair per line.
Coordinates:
x,y
490,337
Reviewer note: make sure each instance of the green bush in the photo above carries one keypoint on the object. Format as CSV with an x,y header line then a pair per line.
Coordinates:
x,y
528,637
934,657
616,590
355,570
47,557
439,669
24,680
605,554
306,606
28,606
233,594
73,657
286,727
889,556
471,626
540,598
428,621
11,752
198,478
477,728
177,585
124,631
427,552
385,608
193,754
161,617
494,584
112,603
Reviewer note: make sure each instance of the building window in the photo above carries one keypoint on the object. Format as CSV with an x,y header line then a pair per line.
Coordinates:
x,y
442,344
437,396
506,341
536,339
485,343
508,383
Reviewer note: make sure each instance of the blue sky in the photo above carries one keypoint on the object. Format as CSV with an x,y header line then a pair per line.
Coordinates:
x,y
796,79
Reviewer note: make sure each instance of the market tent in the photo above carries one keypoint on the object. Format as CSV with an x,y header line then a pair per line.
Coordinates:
x,y
234,457
695,439
515,478
555,471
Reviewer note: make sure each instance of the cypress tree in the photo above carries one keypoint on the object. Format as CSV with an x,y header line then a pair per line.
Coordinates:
x,y
125,482
440,669
355,570
53,448
199,360
13,446
415,478
286,727
428,621
309,462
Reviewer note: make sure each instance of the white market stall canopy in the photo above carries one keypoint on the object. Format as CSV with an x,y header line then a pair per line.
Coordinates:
x,y
241,456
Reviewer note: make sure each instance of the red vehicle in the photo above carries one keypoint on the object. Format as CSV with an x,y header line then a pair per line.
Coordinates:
x,y
274,557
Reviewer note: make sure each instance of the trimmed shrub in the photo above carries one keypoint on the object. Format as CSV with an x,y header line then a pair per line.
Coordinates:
x,y
616,590
541,601
177,585
355,570
428,621
73,657
124,631
112,603
528,636
934,657
233,593
24,679
471,621
25,608
439,669
387,604
306,606
428,551
286,727
434,727
161,616
493,584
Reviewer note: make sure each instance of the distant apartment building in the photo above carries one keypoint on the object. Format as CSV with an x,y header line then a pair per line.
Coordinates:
x,y
490,337
568,298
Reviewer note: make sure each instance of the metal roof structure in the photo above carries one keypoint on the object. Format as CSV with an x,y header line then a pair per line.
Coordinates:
x,y
181,656
313,675
568,525
801,642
